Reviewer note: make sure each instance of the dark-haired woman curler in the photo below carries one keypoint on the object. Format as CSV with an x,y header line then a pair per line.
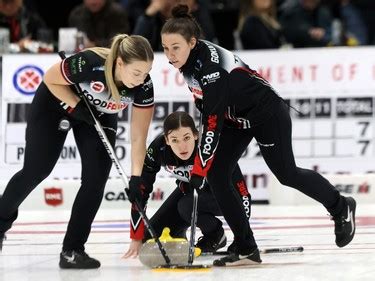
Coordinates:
x,y
174,150
239,105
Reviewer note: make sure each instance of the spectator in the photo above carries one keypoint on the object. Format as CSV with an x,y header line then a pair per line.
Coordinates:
x,y
225,17
150,23
100,20
279,4
23,24
137,8
350,27
354,26
200,10
367,10
53,20
258,26
306,23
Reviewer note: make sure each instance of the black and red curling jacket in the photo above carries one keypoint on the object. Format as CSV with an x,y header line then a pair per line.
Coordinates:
x,y
228,93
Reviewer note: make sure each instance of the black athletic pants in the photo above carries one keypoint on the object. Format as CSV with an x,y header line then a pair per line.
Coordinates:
x,y
176,211
275,143
44,142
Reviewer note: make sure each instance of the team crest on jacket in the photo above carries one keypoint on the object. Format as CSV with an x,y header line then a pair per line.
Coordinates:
x,y
97,86
194,86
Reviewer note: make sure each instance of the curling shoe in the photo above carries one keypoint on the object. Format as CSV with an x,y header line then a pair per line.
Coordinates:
x,y
211,243
345,223
237,259
77,260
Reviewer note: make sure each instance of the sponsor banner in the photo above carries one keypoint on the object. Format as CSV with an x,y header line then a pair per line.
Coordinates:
x,y
299,72
53,196
358,186
60,194
23,75
15,153
114,195
25,72
15,145
330,92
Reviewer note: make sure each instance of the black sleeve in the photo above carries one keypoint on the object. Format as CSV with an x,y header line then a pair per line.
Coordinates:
x,y
144,26
152,164
144,96
79,67
255,35
214,84
151,167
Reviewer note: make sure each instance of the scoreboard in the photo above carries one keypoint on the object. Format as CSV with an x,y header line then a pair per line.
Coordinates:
x,y
333,127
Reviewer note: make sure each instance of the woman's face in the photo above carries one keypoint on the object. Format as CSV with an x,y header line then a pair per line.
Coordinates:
x,y
262,5
132,74
94,6
10,8
182,142
310,4
176,48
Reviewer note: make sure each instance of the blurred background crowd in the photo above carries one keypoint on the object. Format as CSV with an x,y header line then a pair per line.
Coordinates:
x,y
233,24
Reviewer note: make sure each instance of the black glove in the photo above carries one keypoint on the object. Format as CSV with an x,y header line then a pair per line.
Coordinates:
x,y
82,113
197,182
184,187
136,190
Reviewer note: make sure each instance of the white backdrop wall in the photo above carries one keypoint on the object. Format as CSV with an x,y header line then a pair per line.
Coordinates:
x,y
333,130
